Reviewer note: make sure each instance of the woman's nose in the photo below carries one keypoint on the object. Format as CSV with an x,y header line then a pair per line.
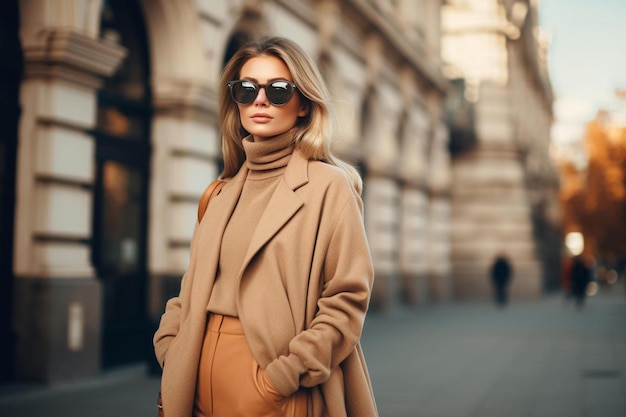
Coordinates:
x,y
261,98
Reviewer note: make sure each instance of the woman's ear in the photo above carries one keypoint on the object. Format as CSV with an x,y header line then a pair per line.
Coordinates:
x,y
305,107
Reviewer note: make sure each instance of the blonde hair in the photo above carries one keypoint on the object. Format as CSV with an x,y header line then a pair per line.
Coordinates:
x,y
312,132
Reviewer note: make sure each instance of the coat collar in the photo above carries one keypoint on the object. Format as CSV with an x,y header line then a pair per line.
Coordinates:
x,y
297,173
282,206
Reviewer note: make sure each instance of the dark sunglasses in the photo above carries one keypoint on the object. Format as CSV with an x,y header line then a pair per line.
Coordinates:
x,y
278,92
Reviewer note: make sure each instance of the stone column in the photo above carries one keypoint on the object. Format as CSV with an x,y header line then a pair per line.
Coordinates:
x,y
413,259
382,189
439,179
186,151
414,220
345,78
57,298
186,40
439,265
382,216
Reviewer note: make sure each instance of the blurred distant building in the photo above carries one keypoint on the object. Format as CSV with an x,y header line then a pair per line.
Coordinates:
x,y
504,187
112,134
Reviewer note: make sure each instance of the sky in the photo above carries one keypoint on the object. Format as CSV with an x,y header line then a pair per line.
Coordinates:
x,y
587,60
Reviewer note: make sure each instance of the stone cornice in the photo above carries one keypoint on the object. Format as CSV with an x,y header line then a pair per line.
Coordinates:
x,y
490,24
440,193
301,9
181,97
412,181
530,49
413,52
73,57
522,33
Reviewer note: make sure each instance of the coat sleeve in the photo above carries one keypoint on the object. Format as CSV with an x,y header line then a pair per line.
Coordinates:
x,y
168,327
170,320
337,325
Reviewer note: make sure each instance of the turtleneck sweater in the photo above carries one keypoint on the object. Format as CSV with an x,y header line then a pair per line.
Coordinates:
x,y
266,162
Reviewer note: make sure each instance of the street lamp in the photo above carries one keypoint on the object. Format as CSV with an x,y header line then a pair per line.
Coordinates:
x,y
575,243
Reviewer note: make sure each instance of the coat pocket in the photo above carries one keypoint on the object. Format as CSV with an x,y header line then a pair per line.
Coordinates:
x,y
266,390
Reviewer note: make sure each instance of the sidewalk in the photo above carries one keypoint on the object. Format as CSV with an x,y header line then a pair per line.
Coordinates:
x,y
536,359
531,359
127,392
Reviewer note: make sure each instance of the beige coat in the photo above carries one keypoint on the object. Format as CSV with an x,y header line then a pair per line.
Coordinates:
x,y
303,291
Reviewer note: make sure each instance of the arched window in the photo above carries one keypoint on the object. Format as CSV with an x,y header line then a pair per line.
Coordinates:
x,y
366,112
401,128
120,221
236,41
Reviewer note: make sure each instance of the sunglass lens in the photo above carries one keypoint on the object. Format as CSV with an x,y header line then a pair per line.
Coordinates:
x,y
279,92
244,92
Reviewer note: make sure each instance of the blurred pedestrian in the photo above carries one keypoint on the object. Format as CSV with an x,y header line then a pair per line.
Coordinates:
x,y
566,278
580,278
501,273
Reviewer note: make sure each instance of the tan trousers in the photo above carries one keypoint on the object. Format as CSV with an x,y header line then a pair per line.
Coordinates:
x,y
230,381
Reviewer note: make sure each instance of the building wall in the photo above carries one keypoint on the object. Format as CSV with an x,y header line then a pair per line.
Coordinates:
x,y
492,197
57,296
532,90
381,60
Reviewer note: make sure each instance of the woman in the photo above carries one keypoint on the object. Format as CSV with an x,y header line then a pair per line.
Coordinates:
x,y
270,311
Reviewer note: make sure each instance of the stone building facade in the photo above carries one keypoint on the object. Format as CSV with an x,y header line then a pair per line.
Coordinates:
x,y
504,187
115,137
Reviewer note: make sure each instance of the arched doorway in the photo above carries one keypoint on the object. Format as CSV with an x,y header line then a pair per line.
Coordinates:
x,y
123,149
236,41
11,62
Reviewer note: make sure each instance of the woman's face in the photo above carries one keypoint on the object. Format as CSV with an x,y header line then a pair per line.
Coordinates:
x,y
262,119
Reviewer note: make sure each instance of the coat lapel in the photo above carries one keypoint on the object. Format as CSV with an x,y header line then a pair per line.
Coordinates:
x,y
212,229
281,207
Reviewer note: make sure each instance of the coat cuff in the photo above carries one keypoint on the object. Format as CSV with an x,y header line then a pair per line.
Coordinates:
x,y
284,374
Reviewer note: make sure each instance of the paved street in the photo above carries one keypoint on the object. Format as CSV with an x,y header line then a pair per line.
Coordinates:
x,y
541,359
532,359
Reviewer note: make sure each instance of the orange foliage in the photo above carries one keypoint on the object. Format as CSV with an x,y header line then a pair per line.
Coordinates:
x,y
594,201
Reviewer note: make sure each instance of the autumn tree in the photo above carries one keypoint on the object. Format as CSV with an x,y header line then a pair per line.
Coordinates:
x,y
594,200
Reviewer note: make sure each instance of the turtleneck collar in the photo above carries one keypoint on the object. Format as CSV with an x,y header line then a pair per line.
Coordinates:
x,y
269,157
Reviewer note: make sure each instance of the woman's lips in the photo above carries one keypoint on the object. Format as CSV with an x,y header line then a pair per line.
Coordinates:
x,y
261,118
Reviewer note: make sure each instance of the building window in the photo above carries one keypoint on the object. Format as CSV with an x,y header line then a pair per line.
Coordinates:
x,y
120,221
